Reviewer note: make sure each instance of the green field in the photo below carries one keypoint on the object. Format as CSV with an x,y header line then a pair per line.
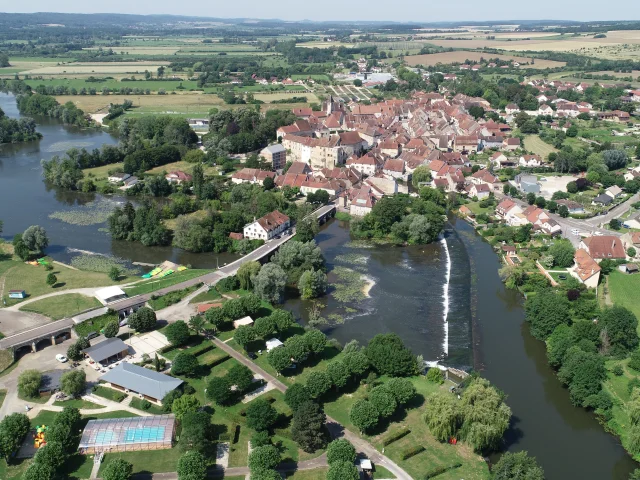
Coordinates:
x,y
79,404
534,144
624,291
62,306
152,285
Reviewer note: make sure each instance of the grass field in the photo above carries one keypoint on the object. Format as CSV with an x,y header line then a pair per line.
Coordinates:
x,y
101,173
79,404
534,144
62,306
79,83
461,56
32,279
270,97
624,290
152,285
193,104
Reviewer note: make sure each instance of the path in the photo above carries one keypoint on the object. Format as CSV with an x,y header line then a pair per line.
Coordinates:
x,y
334,427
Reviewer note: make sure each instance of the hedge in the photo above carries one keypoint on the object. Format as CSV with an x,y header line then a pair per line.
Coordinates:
x,y
394,437
412,452
218,361
440,470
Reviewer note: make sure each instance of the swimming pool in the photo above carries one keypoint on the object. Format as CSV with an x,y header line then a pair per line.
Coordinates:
x,y
144,434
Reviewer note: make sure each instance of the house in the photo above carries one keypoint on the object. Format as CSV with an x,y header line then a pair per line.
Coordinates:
x,y
500,160
118,177
491,141
17,294
480,191
366,165
267,227
251,175
614,191
242,322
178,177
148,384
466,211
602,199
631,239
573,207
484,176
628,268
129,182
276,155
511,144
504,206
586,269
512,109
393,168
545,109
605,246
361,200
465,143
530,161
620,116
108,351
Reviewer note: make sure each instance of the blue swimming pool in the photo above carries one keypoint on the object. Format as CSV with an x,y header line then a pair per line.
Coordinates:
x,y
144,434
104,437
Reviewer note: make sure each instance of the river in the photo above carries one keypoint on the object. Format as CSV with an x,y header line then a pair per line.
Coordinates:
x,y
412,291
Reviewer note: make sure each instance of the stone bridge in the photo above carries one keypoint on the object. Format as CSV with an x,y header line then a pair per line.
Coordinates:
x,y
51,333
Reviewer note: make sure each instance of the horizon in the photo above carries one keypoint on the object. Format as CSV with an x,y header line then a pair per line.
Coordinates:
x,y
428,14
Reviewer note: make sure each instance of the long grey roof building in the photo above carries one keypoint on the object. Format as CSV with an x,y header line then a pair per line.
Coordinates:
x,y
153,385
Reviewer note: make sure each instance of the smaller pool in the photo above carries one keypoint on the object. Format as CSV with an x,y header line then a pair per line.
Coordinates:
x,y
104,437
144,434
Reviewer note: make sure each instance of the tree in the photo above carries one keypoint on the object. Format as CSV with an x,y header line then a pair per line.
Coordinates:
x,y
389,356
196,323
296,395
196,432
114,273
531,198
631,252
185,404
244,335
621,325
241,377
74,382
615,224
284,319
517,466
51,279
312,284
563,211
261,415
558,343
541,202
219,390
562,252
117,469
13,429
35,238
383,400
342,471
341,450
296,348
29,383
270,282
265,475
185,364
615,159
177,333
318,383
266,457
52,454
583,372
265,327
420,175
39,471
246,272
443,415
268,183
308,429
192,466
476,111
143,320
364,415
486,416
279,358
402,390
356,363
111,329
307,229
338,373
545,311
315,340
572,187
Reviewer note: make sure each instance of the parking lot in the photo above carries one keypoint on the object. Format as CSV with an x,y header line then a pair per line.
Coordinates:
x,y
550,185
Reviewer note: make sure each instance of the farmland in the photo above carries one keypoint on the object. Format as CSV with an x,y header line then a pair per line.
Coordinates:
x,y
462,56
534,144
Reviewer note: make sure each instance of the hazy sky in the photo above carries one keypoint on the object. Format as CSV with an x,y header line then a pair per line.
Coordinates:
x,y
395,10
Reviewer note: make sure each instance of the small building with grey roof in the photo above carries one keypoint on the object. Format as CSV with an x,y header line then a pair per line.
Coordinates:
x,y
148,384
109,350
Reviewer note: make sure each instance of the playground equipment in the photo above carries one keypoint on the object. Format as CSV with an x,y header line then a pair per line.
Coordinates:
x,y
38,438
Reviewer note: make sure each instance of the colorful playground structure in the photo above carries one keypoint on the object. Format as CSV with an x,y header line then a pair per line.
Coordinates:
x,y
38,438
164,269
40,261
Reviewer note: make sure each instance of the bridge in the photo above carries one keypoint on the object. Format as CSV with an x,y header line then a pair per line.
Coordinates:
x,y
54,331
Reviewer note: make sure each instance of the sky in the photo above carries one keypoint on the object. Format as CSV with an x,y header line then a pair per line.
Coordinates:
x,y
380,10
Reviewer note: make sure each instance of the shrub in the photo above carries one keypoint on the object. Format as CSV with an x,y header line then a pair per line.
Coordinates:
x,y
394,437
412,452
29,383
436,471
635,360
435,375
228,284
617,370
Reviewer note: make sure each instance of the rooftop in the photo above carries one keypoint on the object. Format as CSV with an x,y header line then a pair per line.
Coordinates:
x,y
142,380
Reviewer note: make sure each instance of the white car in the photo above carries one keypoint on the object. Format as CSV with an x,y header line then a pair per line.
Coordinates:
x,y
576,232
598,234
61,358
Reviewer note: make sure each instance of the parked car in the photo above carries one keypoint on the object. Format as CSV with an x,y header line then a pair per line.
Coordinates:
x,y
91,335
61,358
252,355
598,234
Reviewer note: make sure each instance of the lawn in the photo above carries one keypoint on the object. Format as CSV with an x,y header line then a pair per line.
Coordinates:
x,y
32,279
101,173
624,291
79,404
62,306
210,295
171,298
153,409
617,387
315,474
152,461
109,393
152,285
95,324
436,454
477,209
534,144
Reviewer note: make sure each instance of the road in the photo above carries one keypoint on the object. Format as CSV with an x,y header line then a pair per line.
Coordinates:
x,y
335,429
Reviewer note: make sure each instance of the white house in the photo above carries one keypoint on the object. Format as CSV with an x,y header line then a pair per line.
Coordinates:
x,y
267,227
118,177
530,161
614,191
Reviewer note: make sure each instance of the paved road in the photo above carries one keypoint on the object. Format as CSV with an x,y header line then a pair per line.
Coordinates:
x,y
335,429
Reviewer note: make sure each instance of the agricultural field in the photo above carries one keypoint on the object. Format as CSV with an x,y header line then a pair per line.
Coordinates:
x,y
461,56
193,104
270,97
534,143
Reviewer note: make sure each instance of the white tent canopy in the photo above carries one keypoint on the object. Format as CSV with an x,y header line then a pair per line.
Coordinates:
x,y
110,294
